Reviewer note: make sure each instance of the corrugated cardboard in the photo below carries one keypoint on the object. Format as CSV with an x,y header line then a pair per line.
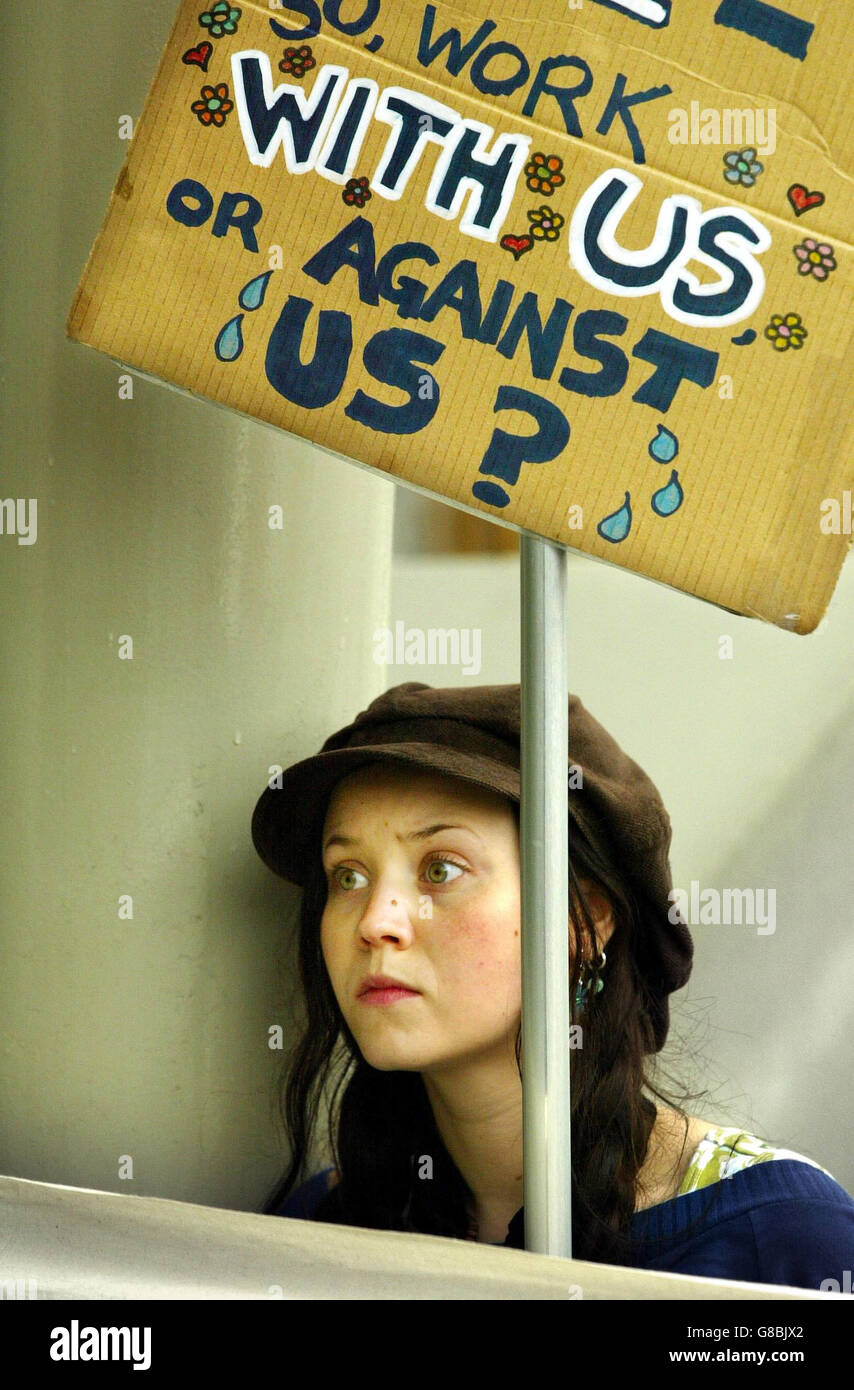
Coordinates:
x,y
296,235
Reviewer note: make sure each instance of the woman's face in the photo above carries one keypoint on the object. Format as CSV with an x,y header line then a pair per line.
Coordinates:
x,y
436,909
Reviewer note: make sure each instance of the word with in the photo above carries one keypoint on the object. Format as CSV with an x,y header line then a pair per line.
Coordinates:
x,y
438,647
102,1344
837,518
754,128
324,131
15,520
706,909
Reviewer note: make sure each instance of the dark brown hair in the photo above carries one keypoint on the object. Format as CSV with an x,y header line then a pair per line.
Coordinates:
x,y
380,1124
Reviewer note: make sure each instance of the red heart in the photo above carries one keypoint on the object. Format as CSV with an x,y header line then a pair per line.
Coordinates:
x,y
802,201
517,244
199,56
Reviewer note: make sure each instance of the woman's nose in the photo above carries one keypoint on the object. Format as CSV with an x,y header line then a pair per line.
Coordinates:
x,y
386,916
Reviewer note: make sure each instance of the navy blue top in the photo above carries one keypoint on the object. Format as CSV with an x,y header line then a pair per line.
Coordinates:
x,y
778,1222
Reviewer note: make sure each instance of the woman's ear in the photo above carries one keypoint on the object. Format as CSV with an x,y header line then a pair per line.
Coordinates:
x,y
600,907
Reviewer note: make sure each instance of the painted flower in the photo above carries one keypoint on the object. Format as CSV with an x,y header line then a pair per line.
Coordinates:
x,y
214,105
545,224
220,19
742,167
816,258
786,332
356,192
543,173
298,61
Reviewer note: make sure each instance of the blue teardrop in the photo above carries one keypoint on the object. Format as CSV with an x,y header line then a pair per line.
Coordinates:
x,y
252,295
617,526
665,446
229,344
668,499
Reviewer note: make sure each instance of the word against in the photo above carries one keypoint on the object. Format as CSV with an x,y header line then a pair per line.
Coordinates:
x,y
706,907
748,127
437,647
837,519
76,1343
15,520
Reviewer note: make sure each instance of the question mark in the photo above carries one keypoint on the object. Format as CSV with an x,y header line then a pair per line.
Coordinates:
x,y
507,452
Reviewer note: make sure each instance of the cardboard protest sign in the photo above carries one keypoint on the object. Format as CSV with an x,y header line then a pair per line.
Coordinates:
x,y
581,267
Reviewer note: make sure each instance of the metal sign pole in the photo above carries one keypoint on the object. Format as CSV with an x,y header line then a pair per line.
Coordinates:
x,y
545,917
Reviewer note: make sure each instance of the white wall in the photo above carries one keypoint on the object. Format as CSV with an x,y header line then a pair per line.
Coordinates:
x,y
147,1037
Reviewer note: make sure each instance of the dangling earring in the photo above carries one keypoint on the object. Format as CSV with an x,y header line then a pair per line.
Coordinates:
x,y
583,988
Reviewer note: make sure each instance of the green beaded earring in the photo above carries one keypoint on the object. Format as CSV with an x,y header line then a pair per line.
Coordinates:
x,y
583,989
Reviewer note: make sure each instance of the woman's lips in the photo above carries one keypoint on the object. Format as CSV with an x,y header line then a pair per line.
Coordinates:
x,y
387,995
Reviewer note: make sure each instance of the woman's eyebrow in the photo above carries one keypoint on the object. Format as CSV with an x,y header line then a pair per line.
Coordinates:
x,y
423,834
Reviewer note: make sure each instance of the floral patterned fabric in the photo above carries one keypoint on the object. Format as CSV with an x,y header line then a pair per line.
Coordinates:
x,y
723,1152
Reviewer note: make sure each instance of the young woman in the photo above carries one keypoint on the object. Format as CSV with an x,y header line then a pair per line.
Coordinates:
x,y
404,834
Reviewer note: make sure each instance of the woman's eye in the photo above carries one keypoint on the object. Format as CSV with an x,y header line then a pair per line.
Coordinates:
x,y
442,865
338,876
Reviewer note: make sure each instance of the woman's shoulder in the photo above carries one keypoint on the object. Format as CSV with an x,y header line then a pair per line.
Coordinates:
x,y
722,1151
752,1210
303,1201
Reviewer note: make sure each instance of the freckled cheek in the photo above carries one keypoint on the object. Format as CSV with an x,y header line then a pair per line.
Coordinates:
x,y
479,952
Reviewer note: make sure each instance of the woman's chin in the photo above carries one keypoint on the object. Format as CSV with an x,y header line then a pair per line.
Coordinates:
x,y
393,1053
393,1058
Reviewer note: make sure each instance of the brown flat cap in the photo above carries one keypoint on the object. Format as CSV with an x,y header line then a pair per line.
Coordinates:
x,y
473,732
